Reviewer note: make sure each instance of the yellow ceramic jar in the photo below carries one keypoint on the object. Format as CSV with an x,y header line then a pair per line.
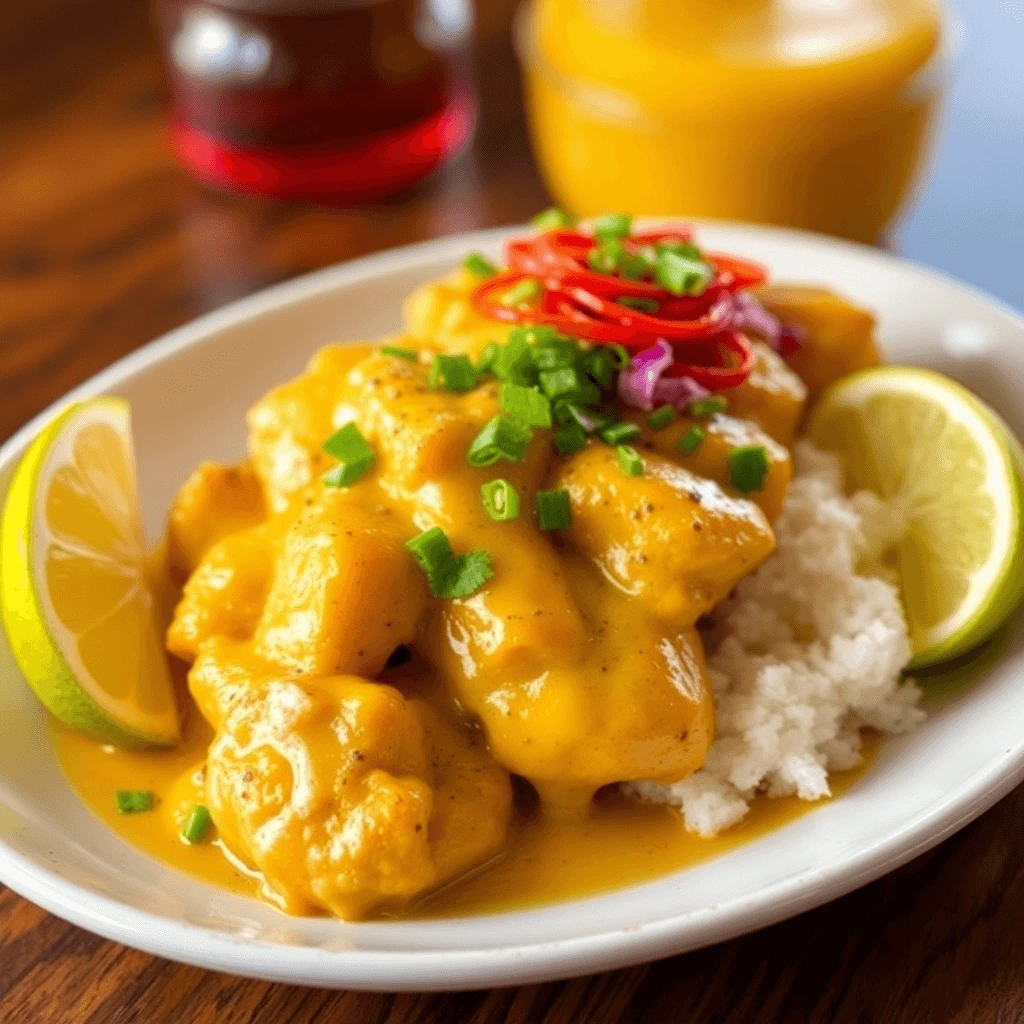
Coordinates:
x,y
810,113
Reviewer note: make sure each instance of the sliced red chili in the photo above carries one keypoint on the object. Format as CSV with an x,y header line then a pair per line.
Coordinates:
x,y
580,301
744,273
718,318
718,378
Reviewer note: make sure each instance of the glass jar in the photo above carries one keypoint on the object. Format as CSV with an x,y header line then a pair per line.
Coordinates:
x,y
808,113
336,100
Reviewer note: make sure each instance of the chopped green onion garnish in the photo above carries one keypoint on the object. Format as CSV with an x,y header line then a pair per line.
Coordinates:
x,y
619,433
551,219
566,382
550,355
691,440
634,266
500,499
527,405
562,382
196,825
605,257
501,438
620,356
629,461
533,334
613,225
431,551
705,408
598,366
526,291
649,254
561,412
353,453
514,361
637,303
400,353
454,373
589,419
661,417
682,275
680,248
748,467
447,575
479,266
570,438
487,356
553,510
134,801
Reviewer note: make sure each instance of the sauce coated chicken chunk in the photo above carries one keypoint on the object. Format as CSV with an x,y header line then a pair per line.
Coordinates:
x,y
343,792
571,659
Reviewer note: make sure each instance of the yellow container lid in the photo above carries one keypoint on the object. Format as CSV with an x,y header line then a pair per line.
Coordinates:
x,y
726,57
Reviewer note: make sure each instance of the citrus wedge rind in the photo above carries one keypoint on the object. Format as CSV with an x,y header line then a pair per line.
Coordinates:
x,y
77,606
947,469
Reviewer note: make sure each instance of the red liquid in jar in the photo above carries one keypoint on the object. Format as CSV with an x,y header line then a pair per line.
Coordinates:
x,y
341,100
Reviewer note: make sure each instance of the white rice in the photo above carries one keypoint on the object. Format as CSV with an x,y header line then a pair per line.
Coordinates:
x,y
801,655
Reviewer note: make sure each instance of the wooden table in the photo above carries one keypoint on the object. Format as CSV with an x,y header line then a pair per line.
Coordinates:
x,y
104,244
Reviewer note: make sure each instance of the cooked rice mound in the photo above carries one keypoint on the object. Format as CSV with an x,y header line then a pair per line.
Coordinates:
x,y
804,653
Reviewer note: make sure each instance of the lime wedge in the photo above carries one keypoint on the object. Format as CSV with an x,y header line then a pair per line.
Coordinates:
x,y
945,466
76,602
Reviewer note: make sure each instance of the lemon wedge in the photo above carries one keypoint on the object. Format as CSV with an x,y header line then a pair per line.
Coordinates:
x,y
947,470
76,602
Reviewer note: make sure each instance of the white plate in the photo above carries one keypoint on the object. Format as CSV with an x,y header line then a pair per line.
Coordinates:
x,y
190,391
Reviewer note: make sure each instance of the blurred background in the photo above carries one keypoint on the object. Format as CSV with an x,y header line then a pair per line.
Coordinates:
x,y
159,160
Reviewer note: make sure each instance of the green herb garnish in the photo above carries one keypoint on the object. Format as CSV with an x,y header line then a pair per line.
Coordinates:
x,y
409,354
599,366
613,225
514,361
524,292
635,266
619,433
682,275
639,304
551,219
691,440
705,408
525,404
748,467
619,354
568,383
661,417
479,266
134,801
606,256
629,461
353,453
553,510
487,356
553,354
453,373
196,825
501,438
500,500
448,575
570,438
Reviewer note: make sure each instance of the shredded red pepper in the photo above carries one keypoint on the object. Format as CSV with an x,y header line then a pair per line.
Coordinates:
x,y
582,302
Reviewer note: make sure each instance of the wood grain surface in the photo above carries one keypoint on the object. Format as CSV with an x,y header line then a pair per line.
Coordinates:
x,y
105,244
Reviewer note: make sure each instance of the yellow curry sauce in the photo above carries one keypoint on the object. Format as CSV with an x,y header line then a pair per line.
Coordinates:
x,y
339,784
546,859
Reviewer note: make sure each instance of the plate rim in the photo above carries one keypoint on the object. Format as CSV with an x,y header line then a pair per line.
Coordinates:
x,y
439,969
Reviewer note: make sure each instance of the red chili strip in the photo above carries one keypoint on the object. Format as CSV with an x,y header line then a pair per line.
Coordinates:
x,y
718,378
580,301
